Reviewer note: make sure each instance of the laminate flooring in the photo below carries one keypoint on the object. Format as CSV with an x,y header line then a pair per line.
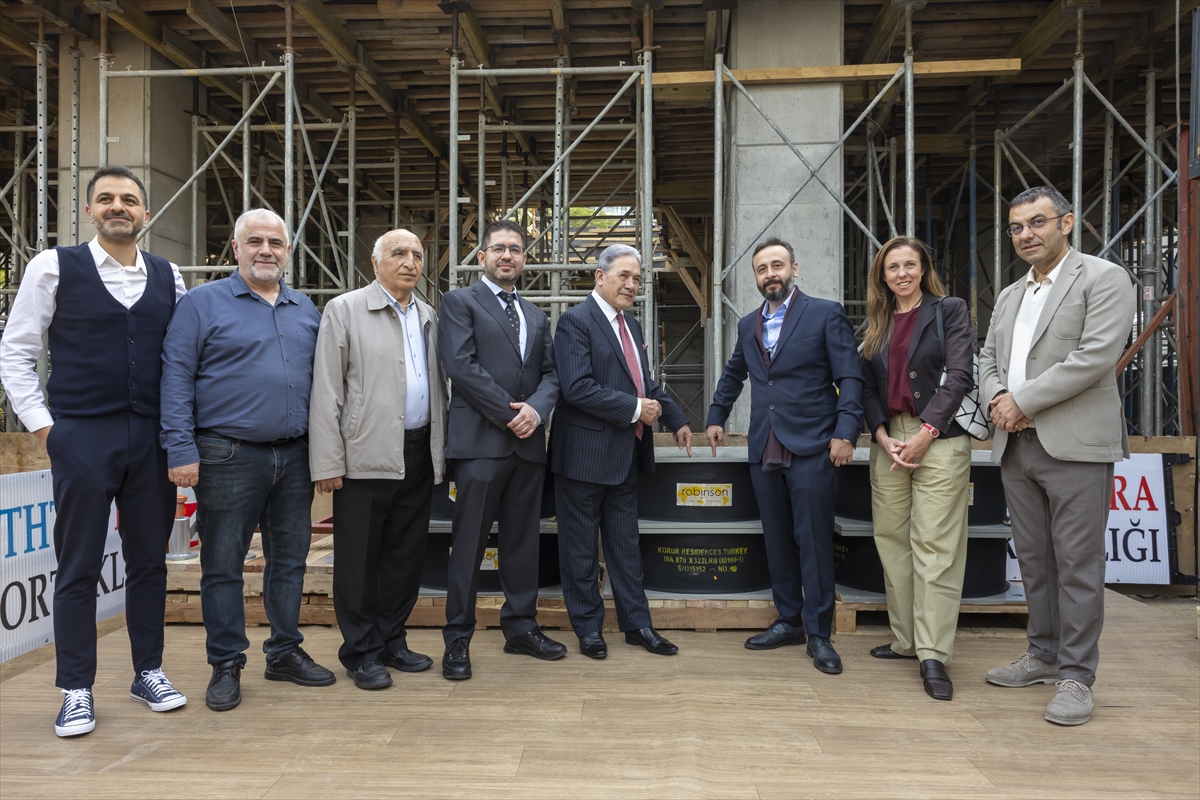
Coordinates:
x,y
716,721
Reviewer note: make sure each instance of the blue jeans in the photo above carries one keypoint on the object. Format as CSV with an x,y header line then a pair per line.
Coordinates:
x,y
243,485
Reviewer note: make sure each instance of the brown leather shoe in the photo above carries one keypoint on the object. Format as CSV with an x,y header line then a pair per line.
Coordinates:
x,y
886,651
937,682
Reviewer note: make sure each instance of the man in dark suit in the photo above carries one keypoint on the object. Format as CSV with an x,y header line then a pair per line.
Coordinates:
x,y
600,441
496,351
795,350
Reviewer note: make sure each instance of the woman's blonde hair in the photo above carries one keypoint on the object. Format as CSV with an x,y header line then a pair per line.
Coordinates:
x,y
881,300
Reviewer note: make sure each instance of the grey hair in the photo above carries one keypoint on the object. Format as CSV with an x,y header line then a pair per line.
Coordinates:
x,y
1037,192
377,250
614,251
256,213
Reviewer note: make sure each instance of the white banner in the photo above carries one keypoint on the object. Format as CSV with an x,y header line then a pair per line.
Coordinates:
x,y
28,565
1135,539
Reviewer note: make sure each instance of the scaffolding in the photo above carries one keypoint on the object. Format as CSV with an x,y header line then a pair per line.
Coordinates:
x,y
1139,225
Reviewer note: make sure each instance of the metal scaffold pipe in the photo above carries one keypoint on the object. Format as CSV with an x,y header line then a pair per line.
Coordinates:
x,y
997,212
1151,243
649,327
102,115
74,211
910,145
452,236
716,306
1077,137
247,153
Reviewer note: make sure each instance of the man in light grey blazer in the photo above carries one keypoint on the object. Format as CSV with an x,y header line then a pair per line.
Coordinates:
x,y
1048,371
377,427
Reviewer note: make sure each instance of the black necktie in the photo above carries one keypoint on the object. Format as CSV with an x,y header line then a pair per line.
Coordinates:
x,y
510,308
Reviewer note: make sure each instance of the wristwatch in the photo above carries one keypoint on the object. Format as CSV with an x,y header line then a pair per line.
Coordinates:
x,y
932,431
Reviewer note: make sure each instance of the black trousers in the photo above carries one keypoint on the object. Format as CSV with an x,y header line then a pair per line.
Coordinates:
x,y
508,490
796,506
95,460
583,509
380,531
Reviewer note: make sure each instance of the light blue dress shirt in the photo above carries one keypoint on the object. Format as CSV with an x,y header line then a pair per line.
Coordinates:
x,y
416,366
773,324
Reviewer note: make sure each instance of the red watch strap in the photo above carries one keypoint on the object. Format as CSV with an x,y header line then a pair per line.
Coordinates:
x,y
932,431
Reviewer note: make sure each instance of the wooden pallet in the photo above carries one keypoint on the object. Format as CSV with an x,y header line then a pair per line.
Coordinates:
x,y
846,613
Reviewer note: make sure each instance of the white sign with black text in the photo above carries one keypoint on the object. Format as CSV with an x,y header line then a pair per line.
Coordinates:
x,y
28,565
1135,538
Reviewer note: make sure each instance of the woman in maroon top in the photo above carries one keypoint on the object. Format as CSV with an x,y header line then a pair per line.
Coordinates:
x,y
921,459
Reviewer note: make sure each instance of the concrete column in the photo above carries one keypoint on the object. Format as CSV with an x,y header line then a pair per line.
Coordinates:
x,y
763,172
151,117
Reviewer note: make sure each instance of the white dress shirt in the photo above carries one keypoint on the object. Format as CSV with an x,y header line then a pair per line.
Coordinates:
x,y
496,290
522,335
1028,313
33,311
416,366
611,314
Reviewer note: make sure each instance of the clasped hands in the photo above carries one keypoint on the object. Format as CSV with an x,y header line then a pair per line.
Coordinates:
x,y
1007,415
904,454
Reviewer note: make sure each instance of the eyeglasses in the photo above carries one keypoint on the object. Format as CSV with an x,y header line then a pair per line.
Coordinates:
x,y
1035,224
500,249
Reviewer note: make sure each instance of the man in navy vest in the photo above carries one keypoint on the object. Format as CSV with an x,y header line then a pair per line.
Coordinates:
x,y
237,373
805,414
105,306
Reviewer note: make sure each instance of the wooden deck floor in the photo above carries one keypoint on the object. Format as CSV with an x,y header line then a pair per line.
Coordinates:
x,y
716,721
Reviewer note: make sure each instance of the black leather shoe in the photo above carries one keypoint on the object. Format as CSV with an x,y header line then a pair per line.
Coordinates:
x,y
371,675
937,682
407,661
537,644
225,687
779,634
593,645
456,663
886,651
824,657
652,641
299,668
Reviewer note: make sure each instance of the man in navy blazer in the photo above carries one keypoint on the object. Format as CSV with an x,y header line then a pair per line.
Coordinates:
x,y
805,414
497,352
600,441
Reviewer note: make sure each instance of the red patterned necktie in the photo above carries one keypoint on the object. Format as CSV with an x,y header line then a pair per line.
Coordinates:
x,y
631,361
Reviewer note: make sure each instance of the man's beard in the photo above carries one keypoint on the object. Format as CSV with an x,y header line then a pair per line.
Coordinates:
x,y
266,273
778,294
117,235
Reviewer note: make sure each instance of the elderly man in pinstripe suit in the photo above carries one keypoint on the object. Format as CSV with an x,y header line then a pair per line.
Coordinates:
x,y
600,440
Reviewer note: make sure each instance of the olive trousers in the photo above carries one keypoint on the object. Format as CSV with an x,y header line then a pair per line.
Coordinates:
x,y
920,518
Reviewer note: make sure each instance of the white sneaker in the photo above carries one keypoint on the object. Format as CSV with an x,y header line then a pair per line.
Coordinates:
x,y
153,689
1025,671
1072,703
77,715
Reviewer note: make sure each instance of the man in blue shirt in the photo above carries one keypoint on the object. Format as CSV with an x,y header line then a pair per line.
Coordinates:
x,y
237,370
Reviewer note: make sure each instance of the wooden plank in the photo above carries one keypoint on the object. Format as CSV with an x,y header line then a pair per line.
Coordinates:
x,y
1163,444
68,17
171,44
877,44
213,20
17,38
847,72
846,614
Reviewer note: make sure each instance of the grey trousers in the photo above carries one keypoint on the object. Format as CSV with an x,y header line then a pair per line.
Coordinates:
x,y
1058,511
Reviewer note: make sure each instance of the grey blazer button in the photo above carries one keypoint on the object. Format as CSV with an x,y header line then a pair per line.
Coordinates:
x,y
917,395
912,374
772,407
770,383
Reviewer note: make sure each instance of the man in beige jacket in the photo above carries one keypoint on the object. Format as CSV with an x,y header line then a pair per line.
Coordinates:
x,y
377,428
1048,371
